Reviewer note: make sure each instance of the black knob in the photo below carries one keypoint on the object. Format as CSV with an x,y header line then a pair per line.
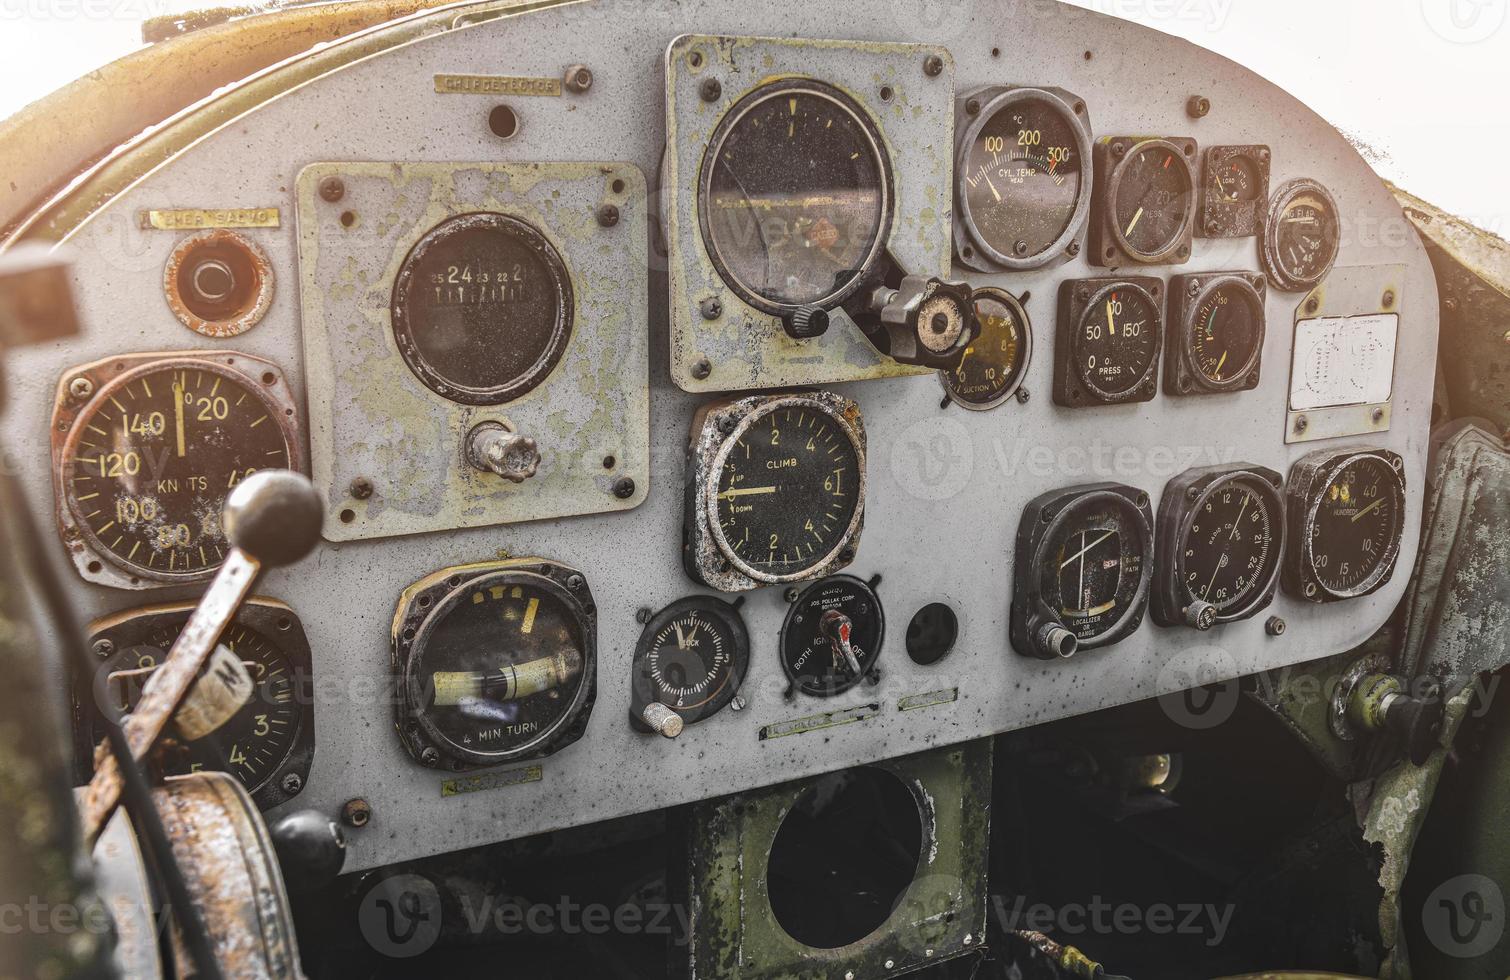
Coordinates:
x,y
274,516
806,322
311,850
1417,722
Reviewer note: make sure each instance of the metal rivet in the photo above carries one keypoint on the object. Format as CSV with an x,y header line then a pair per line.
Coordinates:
x,y
332,189
1274,626
1301,423
608,215
623,488
711,308
361,488
711,90
356,813
1377,415
1198,106
81,388
933,66
1389,298
701,368
578,79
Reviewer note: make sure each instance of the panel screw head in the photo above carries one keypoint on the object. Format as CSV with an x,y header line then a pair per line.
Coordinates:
x,y
361,488
292,783
332,189
711,308
578,79
701,368
1211,226
1194,288
1021,248
1022,396
642,615
1313,304
710,90
738,703
933,66
1274,626
429,758
103,648
1377,415
575,582
790,595
1389,299
80,388
1301,424
1119,149
608,215
972,107
356,813
1198,106
1073,249
623,488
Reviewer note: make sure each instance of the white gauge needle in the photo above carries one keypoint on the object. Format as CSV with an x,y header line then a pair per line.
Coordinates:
x,y
1086,548
1365,510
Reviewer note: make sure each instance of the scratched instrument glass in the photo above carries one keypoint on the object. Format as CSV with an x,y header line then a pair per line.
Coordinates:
x,y
1095,567
1356,527
1231,546
1225,332
1154,199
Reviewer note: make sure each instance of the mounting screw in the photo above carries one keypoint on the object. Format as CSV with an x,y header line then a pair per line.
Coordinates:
x,y
711,308
623,488
642,615
292,783
103,648
429,758
738,704
972,107
1274,626
1211,226
790,595
701,368
1389,299
710,90
332,189
1377,415
80,388
1119,149
356,813
574,582
608,215
1194,288
1021,248
1073,249
1301,423
1198,107
1022,396
578,79
361,488
933,66
1313,304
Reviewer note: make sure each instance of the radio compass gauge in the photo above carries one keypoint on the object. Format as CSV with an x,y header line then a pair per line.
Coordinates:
x,y
688,664
268,744
496,662
1083,569
1235,191
795,196
1144,202
776,490
832,636
1302,235
1024,188
1346,514
1106,348
1220,317
145,449
1220,535
993,366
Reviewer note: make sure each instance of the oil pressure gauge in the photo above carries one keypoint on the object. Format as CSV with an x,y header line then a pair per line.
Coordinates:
x,y
688,664
495,662
1346,514
1220,319
1106,347
775,490
832,636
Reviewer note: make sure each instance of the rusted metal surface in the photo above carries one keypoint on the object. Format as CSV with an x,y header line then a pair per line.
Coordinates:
x,y
250,298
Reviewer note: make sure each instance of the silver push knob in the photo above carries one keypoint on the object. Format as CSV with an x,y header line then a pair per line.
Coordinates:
x,y
494,447
662,720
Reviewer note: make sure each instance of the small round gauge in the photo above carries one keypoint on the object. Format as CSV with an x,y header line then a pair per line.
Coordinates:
x,y
1152,200
499,666
1115,346
789,488
795,196
993,365
692,657
146,466
1301,235
1224,333
832,636
1235,181
1227,546
482,308
1023,192
1353,507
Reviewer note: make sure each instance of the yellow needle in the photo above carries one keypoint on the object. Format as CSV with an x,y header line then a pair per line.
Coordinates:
x,y
178,414
745,492
1111,319
1134,222
1365,510
994,192
1219,363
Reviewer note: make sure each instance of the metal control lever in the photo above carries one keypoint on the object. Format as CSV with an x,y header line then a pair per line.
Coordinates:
x,y
494,447
272,518
836,627
1380,703
919,320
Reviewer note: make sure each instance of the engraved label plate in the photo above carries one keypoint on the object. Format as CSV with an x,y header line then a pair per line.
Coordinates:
x,y
1343,360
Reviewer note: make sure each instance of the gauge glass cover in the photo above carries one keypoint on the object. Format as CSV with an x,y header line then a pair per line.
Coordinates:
x,y
1356,526
1225,333
1154,200
692,657
1303,235
1093,569
1229,550
1116,344
993,366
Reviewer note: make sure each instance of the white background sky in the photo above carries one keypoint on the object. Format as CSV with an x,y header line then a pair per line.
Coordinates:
x,y
1423,82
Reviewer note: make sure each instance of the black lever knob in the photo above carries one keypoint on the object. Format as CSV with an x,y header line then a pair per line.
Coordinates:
x,y
1417,722
925,321
274,516
311,849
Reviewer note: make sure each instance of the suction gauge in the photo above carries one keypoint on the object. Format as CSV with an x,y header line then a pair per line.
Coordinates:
x,y
993,366
691,659
832,636
1346,513
1302,235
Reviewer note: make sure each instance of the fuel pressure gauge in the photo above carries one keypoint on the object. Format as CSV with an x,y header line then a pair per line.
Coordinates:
x,y
1144,205
1346,514
1106,347
688,664
1219,346
832,635
495,662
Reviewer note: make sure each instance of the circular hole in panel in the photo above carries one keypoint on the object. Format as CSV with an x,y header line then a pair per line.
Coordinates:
x,y
503,121
931,634
844,856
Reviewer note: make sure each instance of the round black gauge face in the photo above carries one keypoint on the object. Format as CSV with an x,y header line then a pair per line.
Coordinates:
x,y
788,490
795,196
832,636
692,657
1234,181
482,309
1116,345
1092,571
498,666
254,744
1154,199
992,366
1230,550
1356,526
149,462
1302,239
1022,180
1225,333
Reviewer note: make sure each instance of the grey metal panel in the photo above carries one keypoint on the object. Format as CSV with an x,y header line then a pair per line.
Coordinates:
x,y
946,486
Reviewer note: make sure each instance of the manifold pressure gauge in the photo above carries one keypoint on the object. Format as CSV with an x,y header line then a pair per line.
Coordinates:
x,y
1144,201
495,662
268,744
1083,568
1107,341
1346,515
993,366
1024,185
1219,346
1220,536
688,664
775,490
832,636
145,449
1302,235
